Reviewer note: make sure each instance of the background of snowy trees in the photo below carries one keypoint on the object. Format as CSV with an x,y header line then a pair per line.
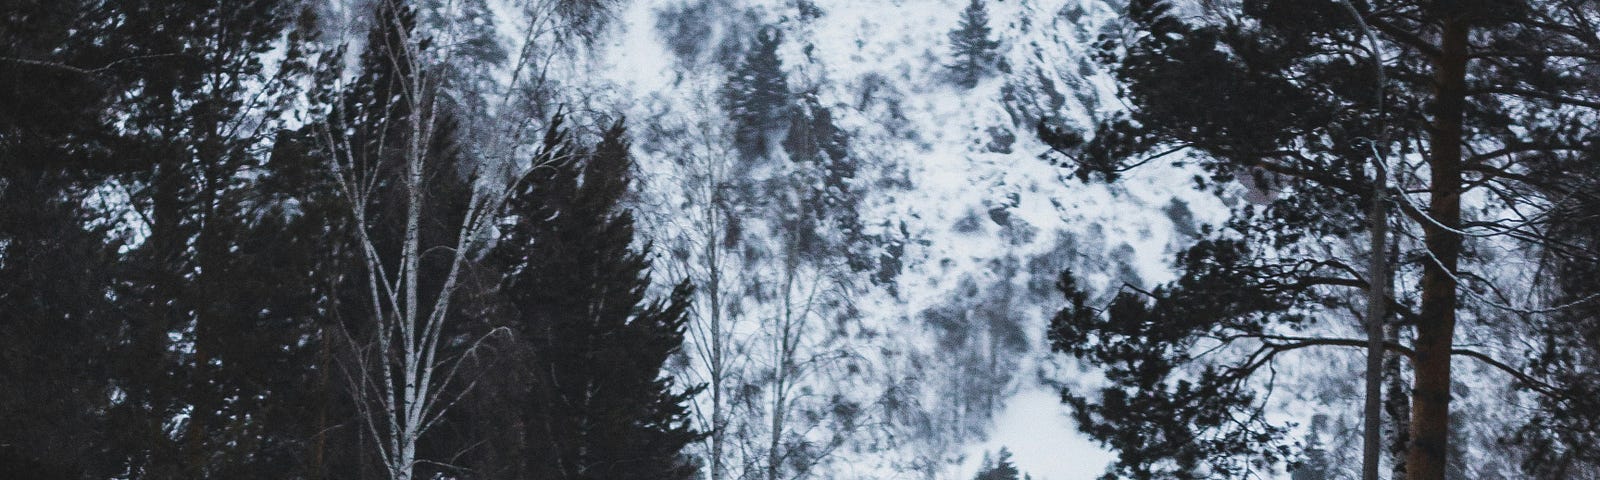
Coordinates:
x,y
773,239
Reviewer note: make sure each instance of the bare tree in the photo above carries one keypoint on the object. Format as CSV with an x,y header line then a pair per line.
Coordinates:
x,y
788,333
694,212
705,258
756,336
402,378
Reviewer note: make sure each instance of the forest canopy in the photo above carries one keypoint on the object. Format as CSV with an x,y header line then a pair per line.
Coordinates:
x,y
799,239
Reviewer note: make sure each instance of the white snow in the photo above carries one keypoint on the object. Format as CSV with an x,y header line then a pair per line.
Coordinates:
x,y
877,65
1043,441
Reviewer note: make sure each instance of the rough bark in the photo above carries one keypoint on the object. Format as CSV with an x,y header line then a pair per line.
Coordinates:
x,y
1430,415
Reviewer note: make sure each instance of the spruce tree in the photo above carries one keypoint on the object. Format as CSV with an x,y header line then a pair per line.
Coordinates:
x,y
976,55
757,97
593,346
1000,468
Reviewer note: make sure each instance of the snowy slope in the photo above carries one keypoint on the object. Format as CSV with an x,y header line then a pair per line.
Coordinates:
x,y
960,169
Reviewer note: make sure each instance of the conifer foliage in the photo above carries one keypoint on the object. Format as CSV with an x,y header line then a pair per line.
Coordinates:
x,y
243,240
597,405
184,356
1000,468
976,54
1304,102
757,96
1319,463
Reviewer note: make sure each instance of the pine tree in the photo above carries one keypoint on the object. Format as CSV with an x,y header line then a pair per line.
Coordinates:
x,y
191,360
54,266
189,281
1298,108
52,309
757,97
1000,468
976,55
1560,440
598,405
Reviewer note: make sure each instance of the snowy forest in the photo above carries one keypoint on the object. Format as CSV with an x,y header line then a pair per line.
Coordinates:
x,y
800,239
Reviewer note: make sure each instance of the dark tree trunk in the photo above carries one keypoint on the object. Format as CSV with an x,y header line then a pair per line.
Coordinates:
x,y
1430,414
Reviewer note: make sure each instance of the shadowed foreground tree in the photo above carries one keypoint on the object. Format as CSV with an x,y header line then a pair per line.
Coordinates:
x,y
1562,439
130,143
51,274
1279,95
589,346
53,268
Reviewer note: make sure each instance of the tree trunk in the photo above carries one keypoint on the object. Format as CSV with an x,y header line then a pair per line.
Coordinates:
x,y
780,394
320,445
1397,405
1430,415
718,418
714,273
1377,299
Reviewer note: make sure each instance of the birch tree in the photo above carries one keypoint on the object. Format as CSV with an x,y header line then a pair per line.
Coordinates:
x,y
749,230
401,166
697,223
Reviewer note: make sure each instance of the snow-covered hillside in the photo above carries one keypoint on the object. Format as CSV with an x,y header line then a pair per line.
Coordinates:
x,y
985,224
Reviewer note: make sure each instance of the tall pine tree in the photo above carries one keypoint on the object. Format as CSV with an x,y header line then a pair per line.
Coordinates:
x,y
1562,439
592,345
1464,102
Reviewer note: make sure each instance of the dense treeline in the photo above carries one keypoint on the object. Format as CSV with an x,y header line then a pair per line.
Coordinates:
x,y
398,239
195,216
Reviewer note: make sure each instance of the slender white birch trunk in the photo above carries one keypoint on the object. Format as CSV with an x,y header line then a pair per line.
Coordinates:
x,y
403,384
